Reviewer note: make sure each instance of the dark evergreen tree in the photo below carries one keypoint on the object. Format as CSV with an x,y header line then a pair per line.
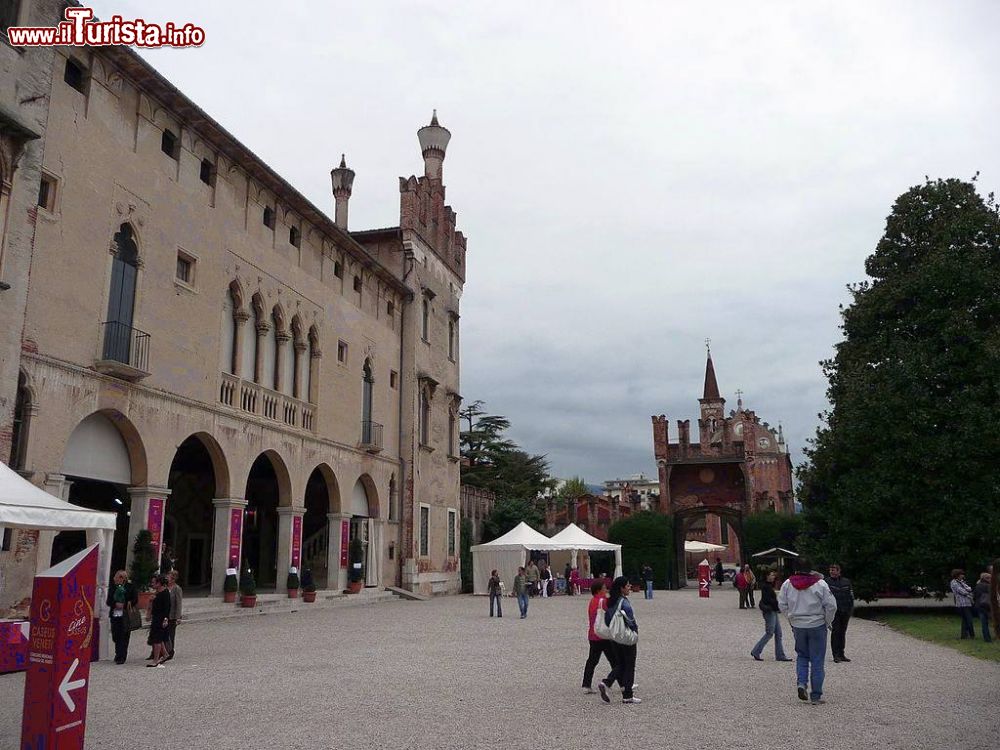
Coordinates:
x,y
144,563
901,483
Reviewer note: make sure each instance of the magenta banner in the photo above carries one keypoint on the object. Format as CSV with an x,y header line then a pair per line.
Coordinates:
x,y
62,631
345,534
235,536
154,522
296,540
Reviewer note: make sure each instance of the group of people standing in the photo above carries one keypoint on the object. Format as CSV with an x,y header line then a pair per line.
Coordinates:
x,y
981,601
165,611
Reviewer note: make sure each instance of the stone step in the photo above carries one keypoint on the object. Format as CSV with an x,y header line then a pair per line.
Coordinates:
x,y
210,609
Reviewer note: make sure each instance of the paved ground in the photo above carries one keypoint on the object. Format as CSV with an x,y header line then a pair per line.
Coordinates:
x,y
441,674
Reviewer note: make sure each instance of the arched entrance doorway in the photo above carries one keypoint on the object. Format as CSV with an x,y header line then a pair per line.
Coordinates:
x,y
187,528
322,498
363,509
267,487
98,466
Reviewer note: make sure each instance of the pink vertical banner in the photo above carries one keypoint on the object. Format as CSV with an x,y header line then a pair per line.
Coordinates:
x,y
296,540
154,522
345,535
235,536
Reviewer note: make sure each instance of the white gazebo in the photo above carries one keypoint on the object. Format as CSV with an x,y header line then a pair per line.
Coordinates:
x,y
505,555
25,506
575,539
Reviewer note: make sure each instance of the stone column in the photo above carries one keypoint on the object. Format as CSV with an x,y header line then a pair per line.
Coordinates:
x,y
258,365
285,528
281,340
58,485
222,556
139,518
336,575
239,317
297,371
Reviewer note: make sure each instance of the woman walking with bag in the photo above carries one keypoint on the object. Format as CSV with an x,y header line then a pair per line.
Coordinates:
x,y
493,588
123,601
598,645
622,629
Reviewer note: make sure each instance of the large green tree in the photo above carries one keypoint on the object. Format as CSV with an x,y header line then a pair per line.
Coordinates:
x,y
767,529
508,513
646,538
902,482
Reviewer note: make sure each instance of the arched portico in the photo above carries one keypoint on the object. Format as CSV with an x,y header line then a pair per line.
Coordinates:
x,y
268,488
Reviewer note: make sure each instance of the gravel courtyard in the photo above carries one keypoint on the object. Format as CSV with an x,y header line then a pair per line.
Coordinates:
x,y
441,674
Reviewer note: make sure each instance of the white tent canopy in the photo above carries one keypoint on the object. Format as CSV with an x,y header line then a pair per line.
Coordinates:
x,y
690,546
574,538
25,506
504,554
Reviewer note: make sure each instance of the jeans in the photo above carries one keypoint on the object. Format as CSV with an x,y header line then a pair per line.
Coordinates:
x,y
649,589
810,650
772,628
984,620
596,649
522,603
496,595
968,629
623,668
838,638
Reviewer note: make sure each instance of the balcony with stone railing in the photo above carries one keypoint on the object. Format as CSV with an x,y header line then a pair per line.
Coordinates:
x,y
253,398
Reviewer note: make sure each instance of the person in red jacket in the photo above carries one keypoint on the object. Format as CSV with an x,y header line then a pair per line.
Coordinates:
x,y
598,645
743,585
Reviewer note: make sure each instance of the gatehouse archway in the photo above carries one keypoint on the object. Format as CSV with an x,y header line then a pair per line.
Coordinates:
x,y
267,488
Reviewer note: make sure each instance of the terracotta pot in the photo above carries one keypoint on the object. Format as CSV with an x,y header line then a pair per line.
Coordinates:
x,y
354,587
309,596
293,593
248,601
145,598
229,597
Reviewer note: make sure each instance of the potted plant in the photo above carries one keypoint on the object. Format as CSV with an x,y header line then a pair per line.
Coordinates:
x,y
248,590
356,571
308,587
143,567
230,586
292,583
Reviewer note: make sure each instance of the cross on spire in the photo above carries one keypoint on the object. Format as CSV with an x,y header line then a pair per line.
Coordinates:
x,y
708,346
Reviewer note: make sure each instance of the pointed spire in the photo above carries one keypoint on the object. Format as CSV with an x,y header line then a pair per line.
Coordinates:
x,y
434,118
711,384
343,162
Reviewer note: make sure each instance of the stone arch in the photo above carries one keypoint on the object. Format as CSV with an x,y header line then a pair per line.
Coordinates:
x,y
220,465
332,486
298,335
237,295
365,487
135,450
278,316
282,474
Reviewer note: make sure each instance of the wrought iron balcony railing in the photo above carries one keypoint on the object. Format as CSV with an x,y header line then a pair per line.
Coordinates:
x,y
124,351
371,436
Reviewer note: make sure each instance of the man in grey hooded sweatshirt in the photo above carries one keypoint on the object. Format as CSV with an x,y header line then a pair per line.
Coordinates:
x,y
810,606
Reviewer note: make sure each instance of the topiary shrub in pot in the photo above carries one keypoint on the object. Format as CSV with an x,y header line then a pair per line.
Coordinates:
x,y
230,586
248,589
308,586
356,570
292,583
143,567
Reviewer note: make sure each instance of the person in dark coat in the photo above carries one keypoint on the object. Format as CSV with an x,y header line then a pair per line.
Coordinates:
x,y
840,587
772,623
981,602
121,597
159,621
495,589
720,574
567,574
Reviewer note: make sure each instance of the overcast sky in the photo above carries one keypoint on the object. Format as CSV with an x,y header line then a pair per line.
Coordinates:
x,y
633,178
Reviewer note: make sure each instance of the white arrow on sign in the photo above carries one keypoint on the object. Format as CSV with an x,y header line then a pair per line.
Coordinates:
x,y
66,685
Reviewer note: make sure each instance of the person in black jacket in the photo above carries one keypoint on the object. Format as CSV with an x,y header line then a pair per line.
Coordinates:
x,y
772,623
981,601
159,621
840,587
122,596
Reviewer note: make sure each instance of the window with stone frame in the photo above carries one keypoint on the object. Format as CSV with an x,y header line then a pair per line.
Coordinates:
x,y
425,530
206,172
47,193
76,75
170,144
425,417
267,218
452,532
425,320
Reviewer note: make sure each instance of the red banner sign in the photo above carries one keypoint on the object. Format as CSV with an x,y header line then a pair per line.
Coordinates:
x,y
345,538
62,632
154,522
704,579
296,540
235,536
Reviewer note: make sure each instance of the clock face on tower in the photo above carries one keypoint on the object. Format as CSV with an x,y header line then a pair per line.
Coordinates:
x,y
764,442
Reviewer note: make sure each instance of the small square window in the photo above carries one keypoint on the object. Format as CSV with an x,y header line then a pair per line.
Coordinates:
x,y
207,172
294,238
185,268
341,351
268,217
47,193
393,377
75,75
357,284
169,144
338,269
